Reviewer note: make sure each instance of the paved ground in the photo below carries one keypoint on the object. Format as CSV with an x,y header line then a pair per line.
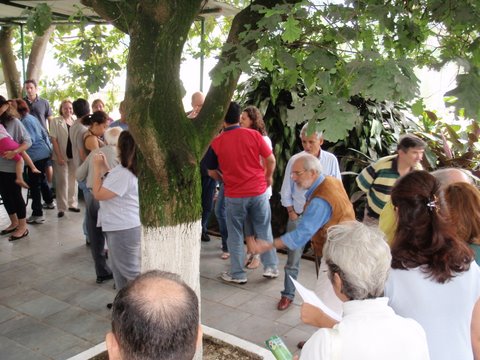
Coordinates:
x,y
51,307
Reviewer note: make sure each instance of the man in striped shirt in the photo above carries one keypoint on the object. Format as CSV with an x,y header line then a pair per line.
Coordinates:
x,y
378,178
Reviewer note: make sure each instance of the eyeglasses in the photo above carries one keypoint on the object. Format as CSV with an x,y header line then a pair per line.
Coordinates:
x,y
297,173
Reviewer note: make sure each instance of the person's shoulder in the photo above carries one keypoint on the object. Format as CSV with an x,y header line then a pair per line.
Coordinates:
x,y
384,162
328,155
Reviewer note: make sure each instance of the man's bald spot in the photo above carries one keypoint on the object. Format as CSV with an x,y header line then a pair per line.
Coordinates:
x,y
447,176
159,293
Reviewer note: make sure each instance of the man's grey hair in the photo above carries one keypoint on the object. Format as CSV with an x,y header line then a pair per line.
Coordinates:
x,y
310,162
111,135
307,132
361,257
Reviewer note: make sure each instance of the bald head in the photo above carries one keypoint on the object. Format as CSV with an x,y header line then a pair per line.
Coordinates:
x,y
447,176
156,317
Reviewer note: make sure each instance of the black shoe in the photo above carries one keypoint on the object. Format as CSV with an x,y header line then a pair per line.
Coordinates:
x,y
109,306
205,237
101,279
77,210
60,214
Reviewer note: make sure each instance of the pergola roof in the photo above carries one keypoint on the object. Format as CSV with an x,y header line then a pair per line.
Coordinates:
x,y
11,10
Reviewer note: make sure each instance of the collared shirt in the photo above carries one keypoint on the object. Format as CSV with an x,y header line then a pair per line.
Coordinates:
x,y
369,330
377,181
291,194
316,215
40,108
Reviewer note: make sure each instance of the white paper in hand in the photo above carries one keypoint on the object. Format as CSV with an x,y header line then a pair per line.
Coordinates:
x,y
311,298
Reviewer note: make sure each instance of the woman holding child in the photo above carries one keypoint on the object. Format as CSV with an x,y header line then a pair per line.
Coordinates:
x,y
10,191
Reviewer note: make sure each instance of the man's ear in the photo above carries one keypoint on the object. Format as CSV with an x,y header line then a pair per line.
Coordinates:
x,y
321,141
199,336
112,347
337,284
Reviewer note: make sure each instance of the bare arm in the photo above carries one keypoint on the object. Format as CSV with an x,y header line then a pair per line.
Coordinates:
x,y
269,162
100,167
91,142
475,330
214,174
312,315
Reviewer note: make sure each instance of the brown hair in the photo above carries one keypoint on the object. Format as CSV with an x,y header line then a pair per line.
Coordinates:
x,y
257,119
98,117
21,107
9,113
424,237
463,201
61,105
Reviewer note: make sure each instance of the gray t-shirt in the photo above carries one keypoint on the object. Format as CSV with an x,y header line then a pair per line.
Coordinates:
x,y
77,131
18,132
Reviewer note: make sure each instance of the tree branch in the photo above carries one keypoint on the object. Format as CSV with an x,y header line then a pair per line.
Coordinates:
x,y
120,13
219,97
10,72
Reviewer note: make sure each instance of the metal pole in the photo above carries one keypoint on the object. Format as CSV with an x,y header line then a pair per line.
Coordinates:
x,y
22,40
202,56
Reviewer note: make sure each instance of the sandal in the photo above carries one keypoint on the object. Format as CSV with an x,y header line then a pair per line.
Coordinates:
x,y
248,259
255,262
14,238
225,255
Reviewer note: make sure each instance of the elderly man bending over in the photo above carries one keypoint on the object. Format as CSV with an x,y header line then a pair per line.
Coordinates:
x,y
358,260
155,317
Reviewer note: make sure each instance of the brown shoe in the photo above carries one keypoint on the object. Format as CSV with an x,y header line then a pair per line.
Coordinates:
x,y
300,344
284,303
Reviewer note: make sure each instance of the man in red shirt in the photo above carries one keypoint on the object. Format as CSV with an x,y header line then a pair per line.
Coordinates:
x,y
234,157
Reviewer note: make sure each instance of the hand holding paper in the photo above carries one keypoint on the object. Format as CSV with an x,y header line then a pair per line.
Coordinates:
x,y
311,298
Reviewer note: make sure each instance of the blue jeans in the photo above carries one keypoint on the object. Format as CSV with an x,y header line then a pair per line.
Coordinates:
x,y
221,215
208,191
293,264
258,209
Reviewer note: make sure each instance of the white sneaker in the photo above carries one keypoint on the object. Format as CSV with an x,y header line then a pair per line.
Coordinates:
x,y
270,273
36,219
228,278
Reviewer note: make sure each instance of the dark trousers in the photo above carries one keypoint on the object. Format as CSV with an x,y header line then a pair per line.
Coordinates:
x,y
39,187
208,191
12,195
96,237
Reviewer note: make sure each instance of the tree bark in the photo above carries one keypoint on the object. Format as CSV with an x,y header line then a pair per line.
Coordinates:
x,y
10,72
37,54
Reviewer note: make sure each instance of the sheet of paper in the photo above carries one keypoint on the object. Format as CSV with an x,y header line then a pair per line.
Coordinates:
x,y
311,298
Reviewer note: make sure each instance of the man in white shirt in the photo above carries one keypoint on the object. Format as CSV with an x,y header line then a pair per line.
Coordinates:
x,y
293,198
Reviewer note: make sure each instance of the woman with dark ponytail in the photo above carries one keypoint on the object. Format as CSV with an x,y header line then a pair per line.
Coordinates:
x,y
434,278
119,209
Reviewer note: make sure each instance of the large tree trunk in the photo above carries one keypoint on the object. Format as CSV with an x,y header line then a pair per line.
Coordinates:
x,y
10,72
37,54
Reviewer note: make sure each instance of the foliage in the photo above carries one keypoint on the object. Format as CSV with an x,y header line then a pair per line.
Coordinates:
x,y
450,143
39,18
92,56
367,48
375,135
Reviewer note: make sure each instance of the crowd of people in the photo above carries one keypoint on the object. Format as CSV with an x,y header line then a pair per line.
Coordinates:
x,y
76,149
405,280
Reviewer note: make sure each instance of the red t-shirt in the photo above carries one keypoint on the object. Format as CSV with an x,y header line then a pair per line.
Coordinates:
x,y
238,151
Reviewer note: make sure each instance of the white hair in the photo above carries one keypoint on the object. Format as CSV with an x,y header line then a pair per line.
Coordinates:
x,y
304,130
310,162
361,257
111,135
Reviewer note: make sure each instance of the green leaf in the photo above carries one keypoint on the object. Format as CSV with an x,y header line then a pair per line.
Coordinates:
x,y
467,93
292,30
